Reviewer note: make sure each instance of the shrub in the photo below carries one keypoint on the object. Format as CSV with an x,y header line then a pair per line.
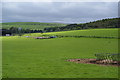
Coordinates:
x,y
107,56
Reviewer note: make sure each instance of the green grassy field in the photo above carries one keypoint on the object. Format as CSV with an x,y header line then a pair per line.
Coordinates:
x,y
46,58
109,32
31,25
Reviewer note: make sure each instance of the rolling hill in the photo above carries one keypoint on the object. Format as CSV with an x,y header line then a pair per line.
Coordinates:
x,y
104,23
30,25
109,32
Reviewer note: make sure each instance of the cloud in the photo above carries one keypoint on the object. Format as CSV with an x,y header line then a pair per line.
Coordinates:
x,y
60,0
64,12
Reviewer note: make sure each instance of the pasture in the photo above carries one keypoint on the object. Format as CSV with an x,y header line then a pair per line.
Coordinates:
x,y
46,58
30,25
109,32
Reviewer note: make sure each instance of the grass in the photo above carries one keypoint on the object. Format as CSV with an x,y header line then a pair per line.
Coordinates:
x,y
34,58
30,25
108,32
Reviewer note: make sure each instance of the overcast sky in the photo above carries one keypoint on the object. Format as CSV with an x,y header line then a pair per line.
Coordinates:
x,y
60,12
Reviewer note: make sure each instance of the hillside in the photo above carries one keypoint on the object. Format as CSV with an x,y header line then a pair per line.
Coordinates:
x,y
14,28
30,25
111,32
104,23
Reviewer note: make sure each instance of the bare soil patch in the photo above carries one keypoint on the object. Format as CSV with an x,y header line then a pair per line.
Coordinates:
x,y
98,62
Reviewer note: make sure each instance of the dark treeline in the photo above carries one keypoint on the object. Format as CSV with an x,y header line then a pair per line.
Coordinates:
x,y
104,23
19,31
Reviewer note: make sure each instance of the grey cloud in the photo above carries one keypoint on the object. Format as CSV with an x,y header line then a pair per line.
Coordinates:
x,y
64,12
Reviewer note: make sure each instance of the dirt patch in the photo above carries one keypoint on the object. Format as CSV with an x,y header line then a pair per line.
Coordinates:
x,y
98,62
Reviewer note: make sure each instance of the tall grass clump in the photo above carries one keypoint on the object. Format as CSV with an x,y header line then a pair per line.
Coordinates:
x,y
108,56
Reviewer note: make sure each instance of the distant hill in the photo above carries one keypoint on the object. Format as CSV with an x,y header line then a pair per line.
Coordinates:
x,y
104,23
54,27
30,25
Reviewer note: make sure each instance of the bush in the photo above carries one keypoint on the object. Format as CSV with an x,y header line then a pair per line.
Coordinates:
x,y
107,56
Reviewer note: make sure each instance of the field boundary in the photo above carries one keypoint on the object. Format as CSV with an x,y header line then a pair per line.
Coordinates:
x,y
60,36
